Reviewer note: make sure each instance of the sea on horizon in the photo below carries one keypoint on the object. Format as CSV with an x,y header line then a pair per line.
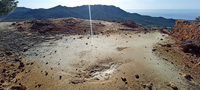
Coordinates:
x,y
180,14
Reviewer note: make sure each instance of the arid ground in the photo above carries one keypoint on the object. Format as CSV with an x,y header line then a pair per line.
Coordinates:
x,y
117,57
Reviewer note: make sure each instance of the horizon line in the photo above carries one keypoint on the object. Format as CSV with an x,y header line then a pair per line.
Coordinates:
x,y
115,6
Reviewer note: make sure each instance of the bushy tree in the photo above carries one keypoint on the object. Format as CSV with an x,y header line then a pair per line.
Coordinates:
x,y
198,18
7,6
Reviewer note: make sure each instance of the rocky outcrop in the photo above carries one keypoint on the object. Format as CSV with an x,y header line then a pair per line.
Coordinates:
x,y
189,47
186,30
187,34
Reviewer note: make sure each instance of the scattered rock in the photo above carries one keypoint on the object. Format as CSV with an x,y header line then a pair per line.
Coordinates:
x,y
150,86
8,53
121,48
124,80
46,73
21,65
18,59
12,64
96,79
4,70
60,77
143,85
165,59
13,75
2,81
32,63
18,87
77,81
39,85
188,77
154,50
168,45
13,24
174,87
25,49
137,76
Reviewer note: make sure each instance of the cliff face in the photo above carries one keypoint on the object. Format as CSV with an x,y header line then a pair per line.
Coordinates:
x,y
186,30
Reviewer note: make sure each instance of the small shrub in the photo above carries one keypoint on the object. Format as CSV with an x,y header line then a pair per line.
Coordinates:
x,y
198,18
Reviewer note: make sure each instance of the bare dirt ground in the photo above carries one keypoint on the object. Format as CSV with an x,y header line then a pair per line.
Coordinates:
x,y
119,60
104,64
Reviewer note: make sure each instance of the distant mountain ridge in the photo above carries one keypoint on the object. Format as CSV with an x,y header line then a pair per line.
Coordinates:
x,y
99,12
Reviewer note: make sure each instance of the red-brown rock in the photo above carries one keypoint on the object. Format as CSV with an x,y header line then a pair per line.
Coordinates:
x,y
186,30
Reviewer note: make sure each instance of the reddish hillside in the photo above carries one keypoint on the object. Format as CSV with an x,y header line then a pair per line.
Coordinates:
x,y
186,30
75,26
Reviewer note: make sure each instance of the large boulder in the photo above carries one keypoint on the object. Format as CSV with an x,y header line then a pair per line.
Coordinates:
x,y
189,47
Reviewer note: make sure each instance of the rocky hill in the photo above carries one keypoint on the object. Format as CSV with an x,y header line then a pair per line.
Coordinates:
x,y
75,26
186,30
99,12
121,55
184,50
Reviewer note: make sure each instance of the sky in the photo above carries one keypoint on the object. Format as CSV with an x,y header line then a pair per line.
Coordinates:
x,y
124,4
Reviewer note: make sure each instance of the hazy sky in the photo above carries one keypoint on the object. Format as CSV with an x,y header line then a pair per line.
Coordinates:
x,y
124,4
